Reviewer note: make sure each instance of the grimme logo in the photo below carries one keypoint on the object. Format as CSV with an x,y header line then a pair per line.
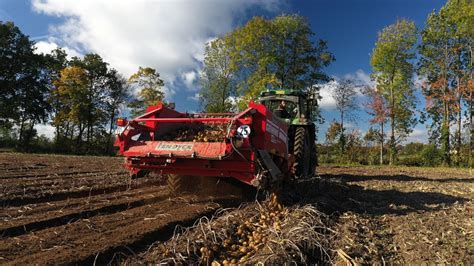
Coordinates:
x,y
174,147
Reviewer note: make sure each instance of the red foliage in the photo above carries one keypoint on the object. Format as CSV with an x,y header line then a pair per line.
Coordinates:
x,y
377,106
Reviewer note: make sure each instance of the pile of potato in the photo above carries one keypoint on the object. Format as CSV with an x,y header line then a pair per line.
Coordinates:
x,y
261,232
199,133
246,238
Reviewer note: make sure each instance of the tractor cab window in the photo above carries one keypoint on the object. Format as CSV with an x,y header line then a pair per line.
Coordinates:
x,y
283,109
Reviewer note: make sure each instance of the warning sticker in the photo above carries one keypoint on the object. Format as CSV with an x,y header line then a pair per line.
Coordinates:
x,y
174,147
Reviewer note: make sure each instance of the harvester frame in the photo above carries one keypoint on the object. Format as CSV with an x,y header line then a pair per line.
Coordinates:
x,y
258,147
238,157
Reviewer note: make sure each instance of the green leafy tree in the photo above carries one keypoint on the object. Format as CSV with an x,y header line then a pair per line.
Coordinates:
x,y
97,74
217,79
15,49
24,83
33,106
56,61
275,53
150,85
393,71
117,94
72,91
372,135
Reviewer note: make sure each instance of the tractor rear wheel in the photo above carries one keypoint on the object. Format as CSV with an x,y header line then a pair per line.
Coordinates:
x,y
301,153
314,159
175,184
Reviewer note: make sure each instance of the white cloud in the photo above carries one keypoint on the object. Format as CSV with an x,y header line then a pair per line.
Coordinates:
x,y
364,78
45,129
169,92
166,35
189,79
194,97
327,101
419,134
46,47
360,79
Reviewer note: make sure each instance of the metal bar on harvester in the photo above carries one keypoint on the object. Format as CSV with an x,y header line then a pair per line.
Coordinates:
x,y
186,120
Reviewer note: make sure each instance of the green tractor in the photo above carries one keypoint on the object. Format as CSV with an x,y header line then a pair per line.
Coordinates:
x,y
296,108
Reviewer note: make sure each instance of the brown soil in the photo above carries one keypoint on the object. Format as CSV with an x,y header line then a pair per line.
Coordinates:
x,y
71,209
81,210
402,215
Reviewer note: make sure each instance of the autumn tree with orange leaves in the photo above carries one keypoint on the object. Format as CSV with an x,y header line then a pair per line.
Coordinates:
x,y
446,62
378,110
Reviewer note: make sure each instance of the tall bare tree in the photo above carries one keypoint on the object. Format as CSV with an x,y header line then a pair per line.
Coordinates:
x,y
344,93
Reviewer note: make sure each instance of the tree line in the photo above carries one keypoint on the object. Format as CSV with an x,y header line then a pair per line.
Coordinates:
x,y
441,54
79,97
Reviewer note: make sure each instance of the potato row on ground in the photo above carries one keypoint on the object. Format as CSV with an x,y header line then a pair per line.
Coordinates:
x,y
72,209
372,216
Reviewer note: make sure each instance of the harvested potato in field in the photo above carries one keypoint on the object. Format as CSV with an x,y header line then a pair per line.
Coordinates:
x,y
213,132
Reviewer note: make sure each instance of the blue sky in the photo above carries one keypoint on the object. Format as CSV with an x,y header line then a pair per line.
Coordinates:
x,y
170,35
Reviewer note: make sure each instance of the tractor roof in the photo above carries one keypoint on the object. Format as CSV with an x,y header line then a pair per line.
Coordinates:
x,y
291,92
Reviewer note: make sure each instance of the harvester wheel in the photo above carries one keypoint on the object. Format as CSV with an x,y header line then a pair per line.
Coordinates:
x,y
175,184
301,153
140,174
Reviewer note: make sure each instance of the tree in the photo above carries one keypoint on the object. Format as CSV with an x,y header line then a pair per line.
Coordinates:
x,y
459,14
55,62
24,83
117,94
149,84
97,75
217,80
32,94
333,132
16,48
344,93
371,136
444,61
275,53
377,109
72,91
393,73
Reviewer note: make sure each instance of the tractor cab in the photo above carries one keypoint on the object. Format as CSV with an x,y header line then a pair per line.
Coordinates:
x,y
292,106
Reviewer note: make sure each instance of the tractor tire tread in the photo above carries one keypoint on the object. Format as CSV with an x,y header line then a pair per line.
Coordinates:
x,y
175,184
299,153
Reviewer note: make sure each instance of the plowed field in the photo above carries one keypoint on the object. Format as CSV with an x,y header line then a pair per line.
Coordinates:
x,y
81,210
75,209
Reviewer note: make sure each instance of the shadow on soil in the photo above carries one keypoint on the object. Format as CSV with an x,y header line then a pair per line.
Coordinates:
x,y
355,178
337,197
227,193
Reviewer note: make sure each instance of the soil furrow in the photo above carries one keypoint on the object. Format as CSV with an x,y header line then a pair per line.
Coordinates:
x,y
81,240
87,212
53,174
63,195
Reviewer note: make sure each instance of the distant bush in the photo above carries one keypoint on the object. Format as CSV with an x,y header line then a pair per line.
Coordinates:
x,y
411,160
411,154
430,155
